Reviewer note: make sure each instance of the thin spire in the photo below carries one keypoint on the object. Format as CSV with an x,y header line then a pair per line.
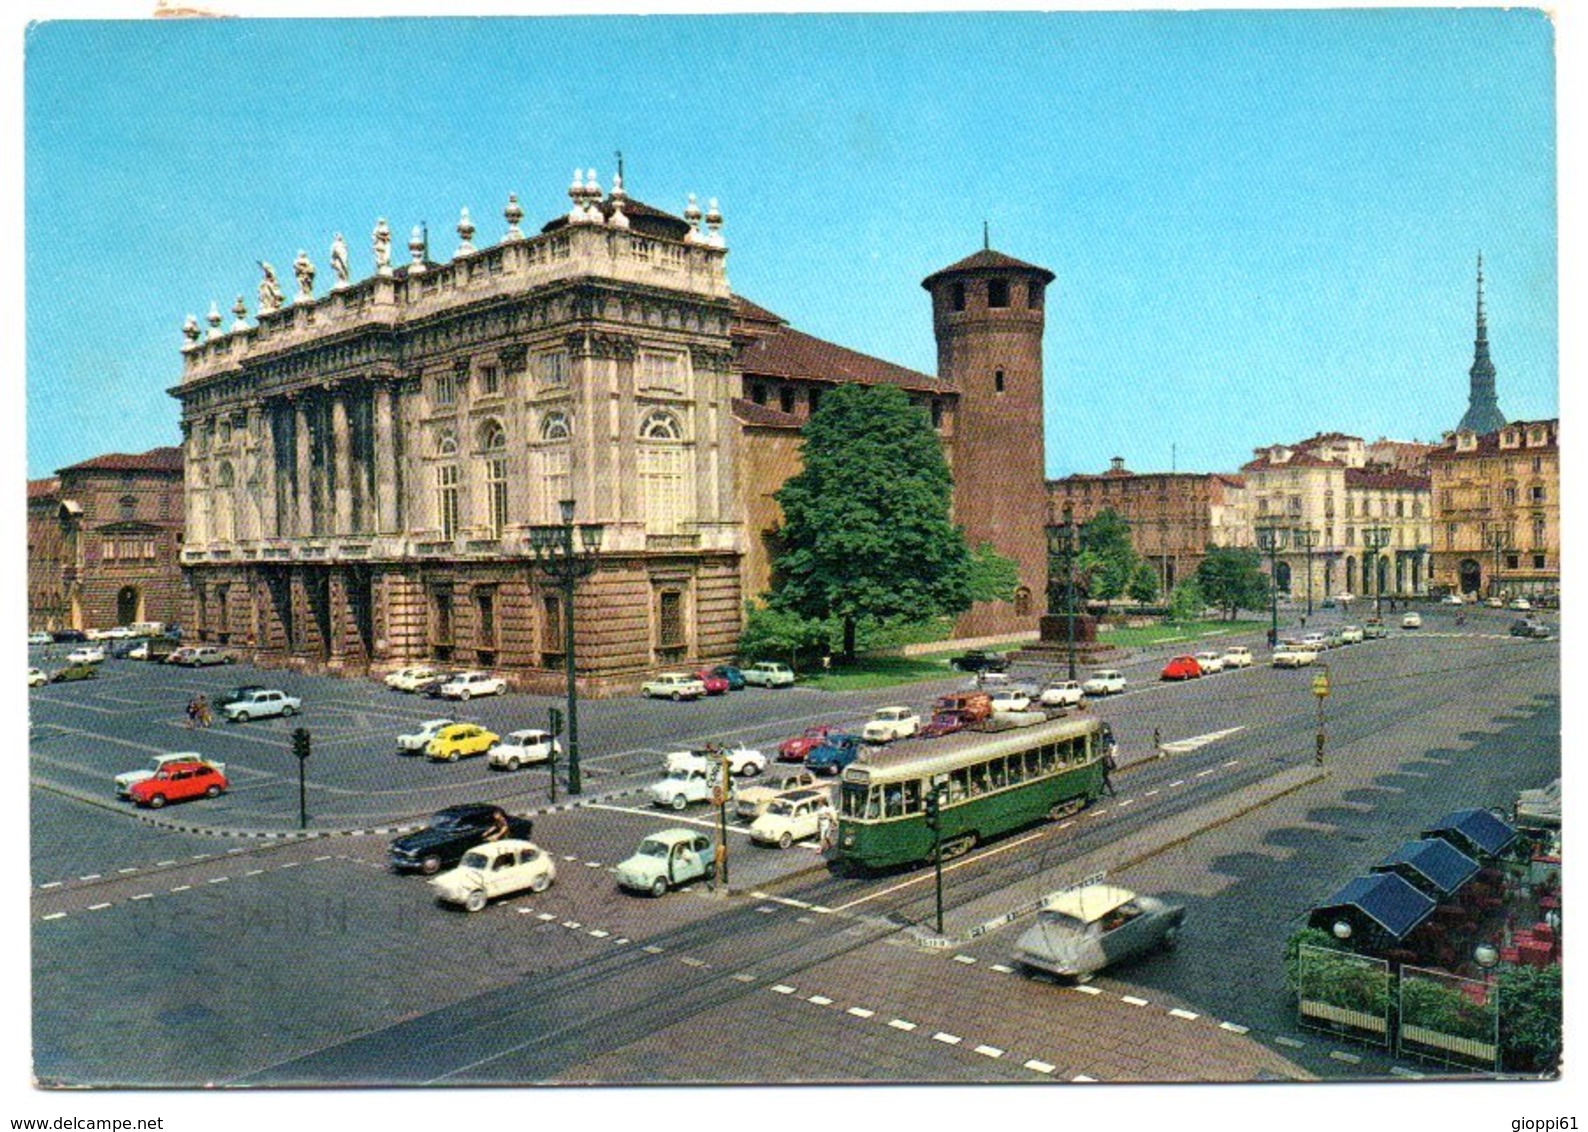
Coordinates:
x,y
1483,325
986,241
619,155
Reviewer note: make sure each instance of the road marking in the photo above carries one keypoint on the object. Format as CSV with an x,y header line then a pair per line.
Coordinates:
x,y
1149,794
964,959
655,812
219,880
1126,802
819,1000
1181,782
1280,1039
568,858
947,1039
691,961
55,916
989,1051
1402,1071
1001,969
1065,825
1186,1014
1347,1058
1099,813
1234,1028
766,909
1084,989
571,925
256,872
823,911
1084,1079
1039,1066
97,907
782,988
159,864
144,896
1203,773
897,1023
599,934
292,864
744,977
625,939
182,888
124,872
652,949
52,884
1133,1000
592,864
1182,746
90,876
1232,762
546,916
860,1012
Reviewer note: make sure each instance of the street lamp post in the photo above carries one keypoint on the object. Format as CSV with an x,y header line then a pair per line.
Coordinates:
x,y
1375,539
1061,544
553,547
1307,538
1271,540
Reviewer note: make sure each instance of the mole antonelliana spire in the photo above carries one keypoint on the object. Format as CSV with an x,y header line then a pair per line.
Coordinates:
x,y
1483,409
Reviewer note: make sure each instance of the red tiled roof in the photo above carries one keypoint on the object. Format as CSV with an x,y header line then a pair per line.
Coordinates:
x,y
988,260
761,416
786,352
1325,437
643,218
1298,459
1361,477
154,460
746,311
1230,480
43,489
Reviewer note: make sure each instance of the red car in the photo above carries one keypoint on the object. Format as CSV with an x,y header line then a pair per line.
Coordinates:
x,y
177,782
1182,668
715,685
943,723
794,750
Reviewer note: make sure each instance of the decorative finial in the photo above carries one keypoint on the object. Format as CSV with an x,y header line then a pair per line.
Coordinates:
x,y
190,331
619,155
986,239
714,224
270,296
416,251
214,319
619,198
513,213
381,239
692,214
339,262
465,235
1482,321
240,311
576,214
304,270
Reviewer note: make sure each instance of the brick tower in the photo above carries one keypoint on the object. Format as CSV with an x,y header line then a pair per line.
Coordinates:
x,y
987,317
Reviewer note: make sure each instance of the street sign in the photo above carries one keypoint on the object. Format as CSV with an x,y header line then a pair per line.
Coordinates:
x,y
1320,684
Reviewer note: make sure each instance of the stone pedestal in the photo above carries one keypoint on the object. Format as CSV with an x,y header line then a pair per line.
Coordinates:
x,y
1053,645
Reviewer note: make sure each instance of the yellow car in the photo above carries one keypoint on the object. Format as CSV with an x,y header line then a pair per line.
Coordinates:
x,y
459,740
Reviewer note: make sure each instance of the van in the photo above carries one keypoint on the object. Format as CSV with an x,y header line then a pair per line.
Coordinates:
x,y
147,628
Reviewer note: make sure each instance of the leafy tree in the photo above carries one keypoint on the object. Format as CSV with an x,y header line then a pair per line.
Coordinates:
x,y
1187,601
866,528
1144,583
1530,1018
992,576
1231,578
1110,559
777,633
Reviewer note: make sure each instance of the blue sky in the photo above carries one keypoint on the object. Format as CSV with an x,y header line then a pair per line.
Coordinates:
x,y
1264,224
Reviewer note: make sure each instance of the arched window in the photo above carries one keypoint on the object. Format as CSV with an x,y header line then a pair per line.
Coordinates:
x,y
554,427
493,442
664,471
659,424
493,437
446,444
549,463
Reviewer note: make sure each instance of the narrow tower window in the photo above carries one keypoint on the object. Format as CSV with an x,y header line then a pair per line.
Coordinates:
x,y
1034,296
956,297
998,381
997,294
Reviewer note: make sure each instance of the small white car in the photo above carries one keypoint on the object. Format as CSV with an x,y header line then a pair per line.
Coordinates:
x,y
1011,699
1351,635
681,788
768,674
791,818
1452,599
752,801
37,678
497,868
466,685
1521,604
1494,602
1237,656
518,748
407,679
1062,693
674,686
125,782
665,860
87,655
139,652
1317,642
1210,662
890,723
1294,654
40,638
119,633
257,705
1412,621
743,762
1104,682
420,739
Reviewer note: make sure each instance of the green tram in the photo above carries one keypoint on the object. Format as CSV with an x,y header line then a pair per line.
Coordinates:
x,y
995,782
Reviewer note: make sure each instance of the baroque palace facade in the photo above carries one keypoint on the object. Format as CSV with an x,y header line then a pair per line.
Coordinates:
x,y
363,468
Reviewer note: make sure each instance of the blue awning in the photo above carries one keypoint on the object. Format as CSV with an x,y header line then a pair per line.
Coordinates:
x,y
1385,898
1480,828
1441,864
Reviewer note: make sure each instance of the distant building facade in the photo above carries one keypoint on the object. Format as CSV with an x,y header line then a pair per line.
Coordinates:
x,y
104,542
1497,510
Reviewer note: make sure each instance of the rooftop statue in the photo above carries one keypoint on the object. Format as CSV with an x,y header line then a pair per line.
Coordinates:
x,y
270,297
339,262
382,239
304,270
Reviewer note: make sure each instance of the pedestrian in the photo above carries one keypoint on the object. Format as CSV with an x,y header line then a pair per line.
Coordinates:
x,y
204,718
825,826
192,712
1157,742
1304,621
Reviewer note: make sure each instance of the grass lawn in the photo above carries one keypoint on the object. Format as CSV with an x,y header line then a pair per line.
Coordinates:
x,y
1189,631
878,672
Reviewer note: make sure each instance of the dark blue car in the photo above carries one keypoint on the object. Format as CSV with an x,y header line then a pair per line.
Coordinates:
x,y
833,754
732,675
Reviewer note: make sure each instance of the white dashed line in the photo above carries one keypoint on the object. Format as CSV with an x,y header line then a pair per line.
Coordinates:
x,y
1186,1014
1065,825
947,1039
652,949
1001,969
1126,802
967,959
182,888
599,934
1234,1028
1402,1071
897,1023
1132,1000
1179,783
97,907
691,961
1203,773
90,876
823,911
219,880
525,911
144,896
1232,762
572,925
1039,1066
292,864
124,872
570,858
55,916
1099,813
743,977
253,872
782,988
989,1051
819,1000
162,864
52,884
860,1012
625,939
546,916
1149,793
1084,1079
766,909
327,857
1348,1058
1280,1039
592,864
1084,989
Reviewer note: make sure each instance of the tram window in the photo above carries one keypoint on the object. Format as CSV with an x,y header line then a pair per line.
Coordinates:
x,y
1069,752
1017,770
1048,755
912,797
1033,764
978,779
958,785
854,801
894,799
874,803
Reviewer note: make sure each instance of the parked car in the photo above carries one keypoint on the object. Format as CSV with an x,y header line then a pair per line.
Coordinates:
x,y
750,801
432,687
37,678
666,860
1237,656
123,649
74,672
497,868
451,833
1374,630
1494,602
769,674
128,779
1527,627
674,686
835,752
732,675
202,656
976,660
460,741
261,703
518,748
68,636
1412,621
1010,699
942,723
791,818
890,723
1209,661
467,685
418,739
743,762
1351,635
681,788
119,633
794,750
90,654
1521,604
40,638
715,685
1294,654
1082,930
1181,668
1452,599
1104,682
178,782
1062,693
407,679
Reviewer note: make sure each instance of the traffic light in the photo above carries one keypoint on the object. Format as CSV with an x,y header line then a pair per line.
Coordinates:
x,y
554,721
300,742
931,810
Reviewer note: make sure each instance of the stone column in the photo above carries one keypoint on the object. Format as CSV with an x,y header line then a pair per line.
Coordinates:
x,y
339,615
303,524
250,488
269,521
341,463
385,463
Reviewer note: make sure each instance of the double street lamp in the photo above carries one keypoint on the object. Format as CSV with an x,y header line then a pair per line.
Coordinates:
x,y
555,555
1497,540
1306,539
1375,539
1270,541
1061,545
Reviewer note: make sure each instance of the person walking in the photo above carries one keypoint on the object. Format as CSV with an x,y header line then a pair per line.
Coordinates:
x,y
204,717
192,712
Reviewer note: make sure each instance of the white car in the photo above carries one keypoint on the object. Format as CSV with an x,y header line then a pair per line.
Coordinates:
x,y
1237,656
1210,662
468,684
768,674
119,633
1294,654
40,638
1011,699
1105,681
37,678
1521,604
86,655
1452,599
125,782
1494,602
139,652
1412,621
519,747
264,702
407,679
752,801
1344,599
1062,693
497,868
890,723
420,739
791,818
742,761
1351,635
674,686
1317,642
680,788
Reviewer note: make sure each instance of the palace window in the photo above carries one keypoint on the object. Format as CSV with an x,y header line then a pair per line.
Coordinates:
x,y
223,433
785,397
490,380
1538,561
495,447
1510,495
1538,464
937,413
661,371
1450,537
447,499
551,367
1538,532
997,294
1511,561
670,619
1400,508
485,608
445,389
549,467
1537,493
1034,296
664,473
